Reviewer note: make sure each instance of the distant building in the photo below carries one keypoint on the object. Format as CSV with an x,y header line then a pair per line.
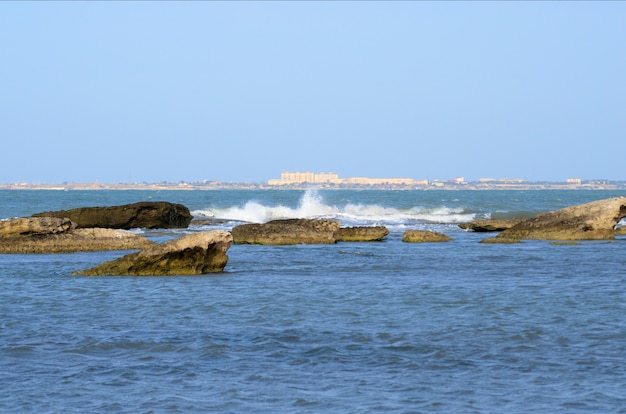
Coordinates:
x,y
305,177
287,178
574,181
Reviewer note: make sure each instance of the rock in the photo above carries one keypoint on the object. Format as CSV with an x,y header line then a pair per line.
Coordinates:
x,y
76,240
289,231
194,254
620,231
362,233
421,236
490,225
150,215
590,221
27,226
496,240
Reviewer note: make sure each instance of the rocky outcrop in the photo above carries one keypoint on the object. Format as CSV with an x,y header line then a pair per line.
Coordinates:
x,y
361,234
29,226
149,215
69,241
421,236
194,254
590,221
492,225
288,231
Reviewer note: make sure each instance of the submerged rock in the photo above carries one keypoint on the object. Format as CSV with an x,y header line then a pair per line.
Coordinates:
x,y
590,221
422,236
361,233
194,254
288,231
149,215
491,225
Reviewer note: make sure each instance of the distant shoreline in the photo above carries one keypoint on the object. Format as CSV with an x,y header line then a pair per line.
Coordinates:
x,y
216,185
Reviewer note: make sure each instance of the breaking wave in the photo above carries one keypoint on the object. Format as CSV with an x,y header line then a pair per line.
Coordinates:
x,y
312,205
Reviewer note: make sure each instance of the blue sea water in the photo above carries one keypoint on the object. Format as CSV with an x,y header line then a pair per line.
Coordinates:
x,y
351,327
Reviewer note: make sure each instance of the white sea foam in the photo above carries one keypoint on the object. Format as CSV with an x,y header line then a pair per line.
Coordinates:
x,y
312,205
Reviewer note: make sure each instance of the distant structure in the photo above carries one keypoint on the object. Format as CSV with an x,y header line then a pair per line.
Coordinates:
x,y
305,177
290,178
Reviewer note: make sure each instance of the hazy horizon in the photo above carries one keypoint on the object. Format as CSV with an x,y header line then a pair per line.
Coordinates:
x,y
116,92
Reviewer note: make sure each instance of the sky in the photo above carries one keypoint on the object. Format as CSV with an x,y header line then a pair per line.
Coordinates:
x,y
117,92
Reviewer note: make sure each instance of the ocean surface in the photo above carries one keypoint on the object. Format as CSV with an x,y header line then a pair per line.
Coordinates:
x,y
346,328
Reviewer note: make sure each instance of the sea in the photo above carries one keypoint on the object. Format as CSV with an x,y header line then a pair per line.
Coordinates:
x,y
460,326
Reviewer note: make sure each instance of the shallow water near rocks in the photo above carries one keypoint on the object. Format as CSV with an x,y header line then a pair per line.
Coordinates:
x,y
350,327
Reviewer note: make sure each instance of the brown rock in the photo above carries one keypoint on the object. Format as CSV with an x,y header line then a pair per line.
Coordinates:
x,y
77,240
490,225
500,240
360,234
289,231
590,221
28,226
150,215
421,236
194,254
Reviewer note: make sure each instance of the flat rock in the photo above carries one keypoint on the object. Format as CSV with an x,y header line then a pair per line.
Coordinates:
x,y
76,240
491,225
193,254
422,236
590,221
149,215
361,233
288,231
29,226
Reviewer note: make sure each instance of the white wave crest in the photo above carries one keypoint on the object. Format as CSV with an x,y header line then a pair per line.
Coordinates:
x,y
312,205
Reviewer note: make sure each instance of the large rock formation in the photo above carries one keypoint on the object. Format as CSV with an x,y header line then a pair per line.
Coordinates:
x,y
194,254
590,221
149,215
422,236
57,235
490,225
361,233
288,231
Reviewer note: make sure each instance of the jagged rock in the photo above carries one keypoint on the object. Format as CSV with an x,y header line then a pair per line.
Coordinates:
x,y
75,240
620,231
490,225
590,221
26,226
194,254
362,233
150,215
421,236
288,231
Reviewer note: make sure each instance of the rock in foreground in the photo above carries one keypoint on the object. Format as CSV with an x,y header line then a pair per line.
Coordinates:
x,y
58,235
590,221
76,240
149,215
421,236
30,226
194,254
288,231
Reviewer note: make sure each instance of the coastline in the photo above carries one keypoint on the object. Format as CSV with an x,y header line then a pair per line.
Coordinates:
x,y
217,185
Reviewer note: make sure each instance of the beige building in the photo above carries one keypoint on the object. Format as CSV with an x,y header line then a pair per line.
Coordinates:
x,y
287,178
305,177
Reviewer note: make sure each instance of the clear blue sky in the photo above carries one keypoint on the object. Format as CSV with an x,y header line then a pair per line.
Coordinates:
x,y
240,91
